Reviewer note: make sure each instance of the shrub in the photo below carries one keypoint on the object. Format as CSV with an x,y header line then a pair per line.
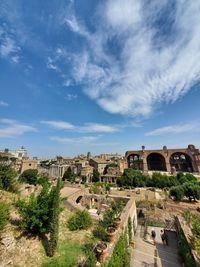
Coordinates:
x,y
80,220
35,213
91,257
100,233
129,229
68,175
121,255
29,176
177,192
4,215
43,180
8,178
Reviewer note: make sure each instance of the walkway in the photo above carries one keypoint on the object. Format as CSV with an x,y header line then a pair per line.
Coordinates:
x,y
145,254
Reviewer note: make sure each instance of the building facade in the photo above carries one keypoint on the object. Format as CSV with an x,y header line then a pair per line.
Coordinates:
x,y
165,160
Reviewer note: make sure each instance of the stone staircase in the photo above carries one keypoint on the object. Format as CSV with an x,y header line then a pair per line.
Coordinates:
x,y
148,255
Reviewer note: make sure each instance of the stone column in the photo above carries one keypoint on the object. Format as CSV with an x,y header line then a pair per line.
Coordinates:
x,y
145,166
168,166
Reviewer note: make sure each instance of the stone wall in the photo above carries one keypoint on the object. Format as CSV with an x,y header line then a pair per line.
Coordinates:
x,y
181,224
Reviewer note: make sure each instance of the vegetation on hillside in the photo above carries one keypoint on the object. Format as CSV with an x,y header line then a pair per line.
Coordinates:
x,y
80,220
181,185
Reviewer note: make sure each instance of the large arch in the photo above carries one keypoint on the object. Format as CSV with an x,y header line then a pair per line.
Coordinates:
x,y
156,162
181,161
135,162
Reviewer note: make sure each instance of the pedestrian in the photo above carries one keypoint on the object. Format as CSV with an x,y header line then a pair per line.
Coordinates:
x,y
162,235
166,237
153,236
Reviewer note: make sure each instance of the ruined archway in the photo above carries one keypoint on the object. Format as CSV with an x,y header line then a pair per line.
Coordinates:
x,y
156,162
78,200
181,161
135,162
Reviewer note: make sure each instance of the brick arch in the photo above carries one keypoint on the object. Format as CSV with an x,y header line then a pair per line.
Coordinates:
x,y
134,161
156,162
181,161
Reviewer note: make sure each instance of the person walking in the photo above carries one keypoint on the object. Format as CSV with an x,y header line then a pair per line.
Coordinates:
x,y
153,236
162,235
166,237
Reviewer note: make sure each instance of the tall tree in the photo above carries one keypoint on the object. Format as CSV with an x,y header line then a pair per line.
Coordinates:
x,y
54,218
68,175
96,176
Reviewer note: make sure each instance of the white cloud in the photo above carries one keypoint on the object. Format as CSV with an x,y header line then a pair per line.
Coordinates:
x,y
71,97
76,140
3,104
11,128
51,64
96,127
86,128
175,129
8,45
59,124
149,67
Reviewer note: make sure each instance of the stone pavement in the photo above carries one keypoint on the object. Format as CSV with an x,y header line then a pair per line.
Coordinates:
x,y
146,254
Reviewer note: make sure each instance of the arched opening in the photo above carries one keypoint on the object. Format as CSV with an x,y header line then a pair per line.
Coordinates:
x,y
156,162
78,200
181,161
135,162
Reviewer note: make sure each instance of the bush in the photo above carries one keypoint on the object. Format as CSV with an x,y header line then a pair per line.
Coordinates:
x,y
4,215
80,220
8,178
121,255
185,251
100,233
91,257
177,192
29,176
35,213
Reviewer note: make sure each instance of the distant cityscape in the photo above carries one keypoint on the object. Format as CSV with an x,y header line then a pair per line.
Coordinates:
x,y
110,166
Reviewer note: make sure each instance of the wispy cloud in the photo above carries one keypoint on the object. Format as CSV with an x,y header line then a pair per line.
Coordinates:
x,y
156,60
71,97
8,46
10,128
63,125
76,140
175,129
97,127
4,104
86,128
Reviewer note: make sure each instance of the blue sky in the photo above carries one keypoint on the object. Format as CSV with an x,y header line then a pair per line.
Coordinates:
x,y
99,76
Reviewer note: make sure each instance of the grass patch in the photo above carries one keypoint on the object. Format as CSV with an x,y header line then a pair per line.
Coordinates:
x,y
156,224
68,255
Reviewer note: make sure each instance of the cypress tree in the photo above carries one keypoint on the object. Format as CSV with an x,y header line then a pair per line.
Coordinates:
x,y
54,218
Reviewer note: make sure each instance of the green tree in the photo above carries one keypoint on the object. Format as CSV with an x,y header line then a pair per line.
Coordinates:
x,y
35,212
191,190
80,220
95,176
29,176
54,218
8,178
68,175
4,215
177,192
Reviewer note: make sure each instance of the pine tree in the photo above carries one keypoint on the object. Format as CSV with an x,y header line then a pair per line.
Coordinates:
x,y
54,218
